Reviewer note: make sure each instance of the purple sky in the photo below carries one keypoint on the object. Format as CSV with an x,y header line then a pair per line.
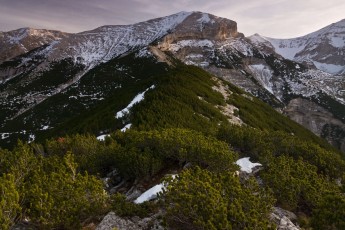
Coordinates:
x,y
273,18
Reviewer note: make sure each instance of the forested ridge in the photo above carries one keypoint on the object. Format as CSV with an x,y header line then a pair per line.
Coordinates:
x,y
56,183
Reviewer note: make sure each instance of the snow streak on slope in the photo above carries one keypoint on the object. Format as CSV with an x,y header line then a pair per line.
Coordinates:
x,y
329,68
128,126
107,42
264,74
150,194
103,136
136,100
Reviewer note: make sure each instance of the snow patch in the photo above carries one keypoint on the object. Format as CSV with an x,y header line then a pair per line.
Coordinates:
x,y
240,45
22,33
205,18
330,68
152,192
45,127
287,48
256,39
338,42
143,53
195,56
124,129
32,138
102,137
138,98
246,165
191,43
310,48
4,135
314,81
200,64
264,75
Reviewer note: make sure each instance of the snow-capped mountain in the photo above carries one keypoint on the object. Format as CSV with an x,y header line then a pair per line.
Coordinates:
x,y
87,50
280,72
102,44
324,49
21,41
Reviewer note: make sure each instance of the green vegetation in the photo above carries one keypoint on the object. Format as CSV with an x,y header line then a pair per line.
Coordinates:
x,y
45,184
264,145
300,173
183,98
9,201
48,184
55,183
49,191
329,213
140,154
199,199
260,115
296,183
122,207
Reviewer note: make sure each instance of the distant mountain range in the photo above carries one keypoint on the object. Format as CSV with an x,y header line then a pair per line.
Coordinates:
x,y
49,79
323,49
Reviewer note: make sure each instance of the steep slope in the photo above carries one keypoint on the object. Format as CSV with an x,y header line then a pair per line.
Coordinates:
x,y
106,87
21,41
32,78
253,65
323,49
102,44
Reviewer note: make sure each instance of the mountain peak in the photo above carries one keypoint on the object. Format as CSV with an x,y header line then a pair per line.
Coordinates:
x,y
340,23
200,25
23,40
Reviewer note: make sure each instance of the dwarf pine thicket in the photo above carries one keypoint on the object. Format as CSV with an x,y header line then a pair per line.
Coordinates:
x,y
55,183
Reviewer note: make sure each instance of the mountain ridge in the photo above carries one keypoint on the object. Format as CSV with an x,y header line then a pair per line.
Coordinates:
x,y
23,40
195,38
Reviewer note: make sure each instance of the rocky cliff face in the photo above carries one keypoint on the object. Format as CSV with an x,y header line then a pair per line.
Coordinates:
x,y
200,25
317,119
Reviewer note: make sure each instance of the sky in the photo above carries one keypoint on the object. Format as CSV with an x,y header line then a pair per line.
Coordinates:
x,y
272,18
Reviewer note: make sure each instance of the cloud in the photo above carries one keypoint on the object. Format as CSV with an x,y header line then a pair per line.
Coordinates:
x,y
277,18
